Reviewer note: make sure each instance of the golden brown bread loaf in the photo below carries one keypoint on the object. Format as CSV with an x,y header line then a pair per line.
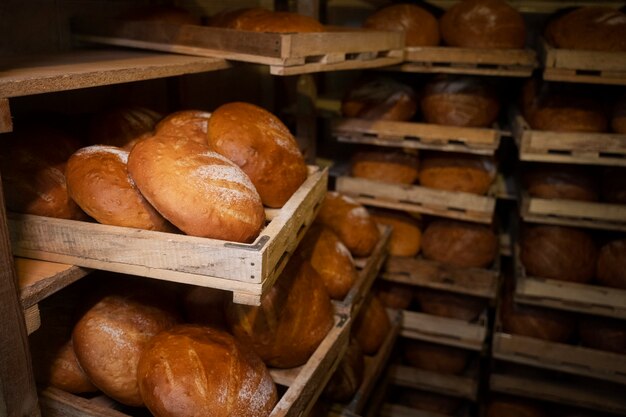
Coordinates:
x,y
205,306
394,295
558,252
483,24
457,172
330,258
111,335
429,401
406,236
420,27
461,244
32,162
351,221
603,333
66,373
261,20
557,181
122,126
436,358
192,124
514,408
262,146
382,98
445,304
199,191
594,28
611,266
292,320
614,185
371,326
98,181
348,377
460,100
235,18
385,166
193,370
618,115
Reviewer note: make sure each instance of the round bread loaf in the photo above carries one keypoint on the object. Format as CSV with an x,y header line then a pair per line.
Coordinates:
x,y
199,191
262,146
393,295
330,258
593,28
199,371
565,182
429,401
192,124
614,185
351,221
385,166
445,304
348,377
420,27
618,115
611,266
436,358
382,98
262,20
461,244
603,333
558,252
111,335
122,127
490,24
457,172
98,181
235,18
460,100
292,320
371,326
514,408
164,14
406,236
205,306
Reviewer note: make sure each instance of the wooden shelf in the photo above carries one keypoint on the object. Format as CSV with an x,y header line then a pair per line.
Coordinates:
x,y
460,386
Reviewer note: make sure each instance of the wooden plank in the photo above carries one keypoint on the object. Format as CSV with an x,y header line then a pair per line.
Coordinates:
x,y
444,330
351,61
461,386
57,403
582,76
418,199
411,135
422,272
6,121
468,69
448,54
397,410
80,69
39,279
32,318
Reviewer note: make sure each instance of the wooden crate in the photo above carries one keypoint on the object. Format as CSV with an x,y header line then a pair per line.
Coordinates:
x,y
418,199
479,282
482,141
285,53
451,60
460,386
445,331
248,270
598,67
567,147
397,410
589,214
563,295
304,383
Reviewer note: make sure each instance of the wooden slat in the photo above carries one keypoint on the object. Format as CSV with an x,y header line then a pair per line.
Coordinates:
x,y
418,199
444,330
353,61
454,385
6,122
57,403
499,71
32,318
397,410
80,69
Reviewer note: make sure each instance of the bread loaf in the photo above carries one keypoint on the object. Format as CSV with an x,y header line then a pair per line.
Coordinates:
x,y
445,304
199,371
603,333
429,401
614,185
483,24
457,172
393,295
331,259
348,377
382,98
566,110
461,244
385,166
420,27
558,252
111,335
32,162
192,124
351,222
371,326
199,191
292,320
262,146
611,266
122,126
514,408
436,358
594,28
205,306
618,115
460,100
261,20
565,182
406,236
